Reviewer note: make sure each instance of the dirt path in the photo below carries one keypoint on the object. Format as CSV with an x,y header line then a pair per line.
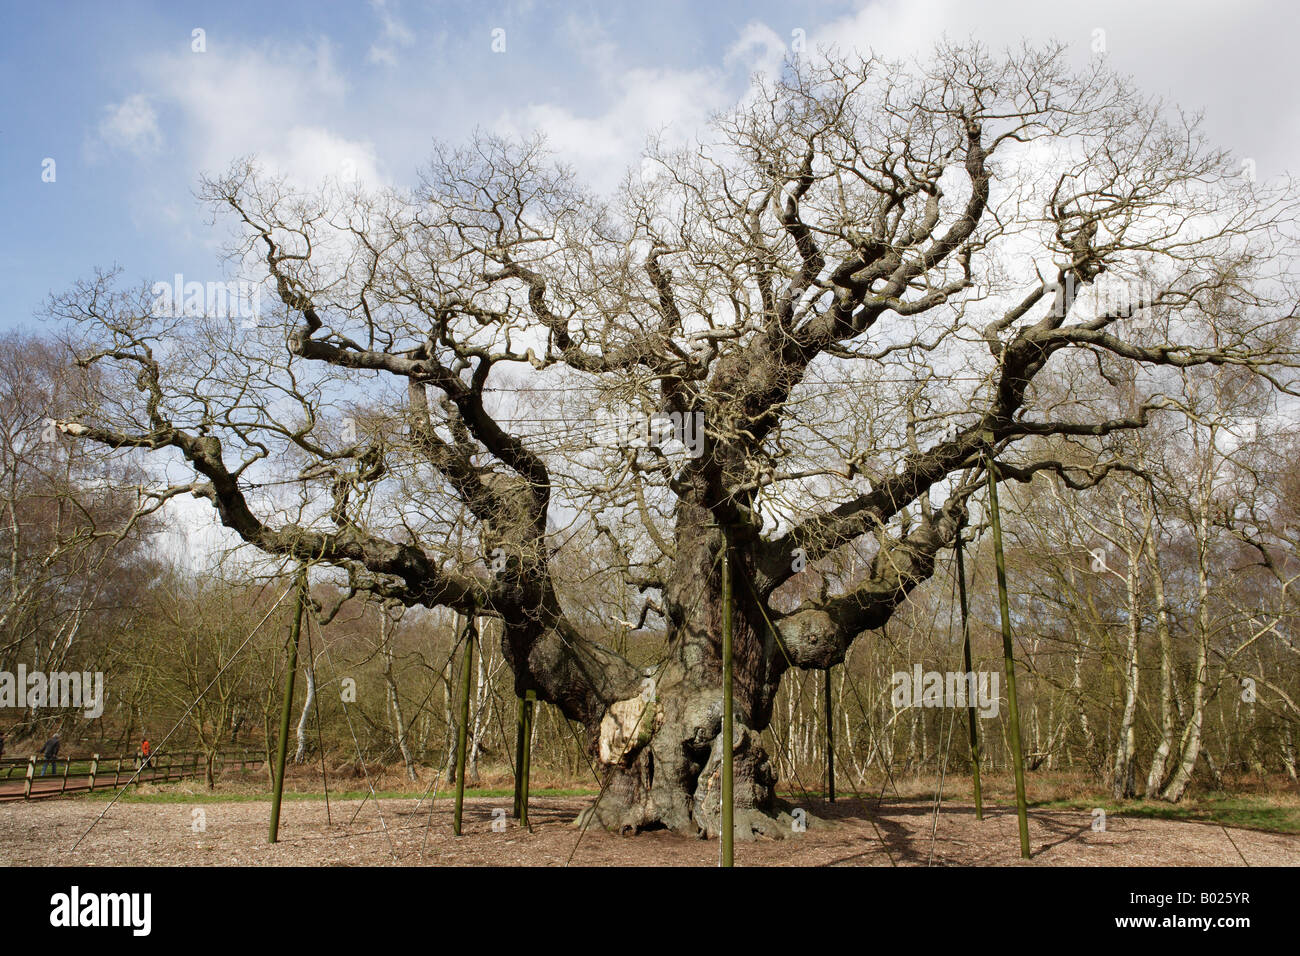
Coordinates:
x,y
41,787
235,833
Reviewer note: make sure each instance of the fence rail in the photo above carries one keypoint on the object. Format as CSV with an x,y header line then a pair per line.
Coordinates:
x,y
84,774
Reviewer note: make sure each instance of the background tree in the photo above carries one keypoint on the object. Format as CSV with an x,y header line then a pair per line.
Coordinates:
x,y
73,535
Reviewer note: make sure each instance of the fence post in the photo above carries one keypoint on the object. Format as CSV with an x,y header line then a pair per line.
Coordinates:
x,y
94,766
31,772
66,767
117,773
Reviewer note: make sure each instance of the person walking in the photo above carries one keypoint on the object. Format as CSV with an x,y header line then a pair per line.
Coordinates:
x,y
50,752
144,752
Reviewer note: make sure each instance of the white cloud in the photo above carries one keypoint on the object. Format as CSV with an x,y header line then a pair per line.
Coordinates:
x,y
759,47
289,104
131,126
603,146
394,35
314,153
591,42
278,104
1233,61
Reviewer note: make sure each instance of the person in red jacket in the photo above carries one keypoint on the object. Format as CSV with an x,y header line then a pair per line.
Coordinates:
x,y
144,752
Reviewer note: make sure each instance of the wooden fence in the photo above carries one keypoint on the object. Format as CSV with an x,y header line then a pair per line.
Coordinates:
x,y
83,774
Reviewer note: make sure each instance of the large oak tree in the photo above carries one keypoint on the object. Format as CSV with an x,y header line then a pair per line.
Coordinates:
x,y
851,281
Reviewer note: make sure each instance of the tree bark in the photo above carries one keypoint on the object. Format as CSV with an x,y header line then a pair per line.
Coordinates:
x,y
1168,717
300,751
1191,744
1124,779
394,702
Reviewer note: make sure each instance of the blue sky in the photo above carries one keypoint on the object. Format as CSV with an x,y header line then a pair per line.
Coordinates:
x,y
131,114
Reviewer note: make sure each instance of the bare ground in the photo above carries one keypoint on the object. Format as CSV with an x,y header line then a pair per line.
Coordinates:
x,y
849,833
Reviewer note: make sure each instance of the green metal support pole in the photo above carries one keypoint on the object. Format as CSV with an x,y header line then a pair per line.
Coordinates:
x,y
286,709
320,740
966,662
728,809
830,741
1013,705
519,758
530,703
462,732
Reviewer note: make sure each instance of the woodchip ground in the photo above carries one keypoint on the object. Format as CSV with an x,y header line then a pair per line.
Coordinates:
x,y
898,832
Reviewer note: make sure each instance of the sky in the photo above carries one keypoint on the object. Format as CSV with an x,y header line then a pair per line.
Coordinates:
x,y
113,111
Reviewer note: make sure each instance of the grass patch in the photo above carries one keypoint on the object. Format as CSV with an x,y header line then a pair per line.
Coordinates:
x,y
1247,811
